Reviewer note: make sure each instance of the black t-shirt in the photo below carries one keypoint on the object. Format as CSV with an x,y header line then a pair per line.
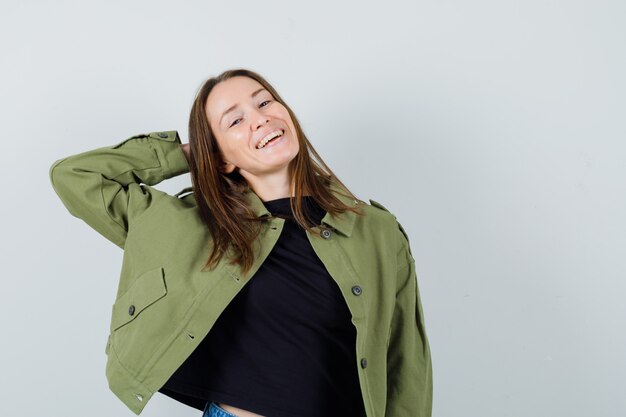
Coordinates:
x,y
285,345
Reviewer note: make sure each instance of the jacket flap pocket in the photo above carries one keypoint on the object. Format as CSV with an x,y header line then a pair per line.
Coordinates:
x,y
147,288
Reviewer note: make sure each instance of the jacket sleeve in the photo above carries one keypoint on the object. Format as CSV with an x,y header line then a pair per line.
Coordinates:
x,y
409,367
110,187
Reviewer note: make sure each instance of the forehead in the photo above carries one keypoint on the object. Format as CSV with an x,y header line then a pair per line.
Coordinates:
x,y
227,93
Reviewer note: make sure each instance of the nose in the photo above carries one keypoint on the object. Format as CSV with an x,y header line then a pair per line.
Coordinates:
x,y
260,120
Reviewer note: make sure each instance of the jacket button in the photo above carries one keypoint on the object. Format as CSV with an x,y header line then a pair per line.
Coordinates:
x,y
356,290
131,310
325,233
139,397
363,363
162,135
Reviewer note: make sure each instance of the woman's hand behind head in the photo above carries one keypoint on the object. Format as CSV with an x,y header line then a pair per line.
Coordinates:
x,y
185,148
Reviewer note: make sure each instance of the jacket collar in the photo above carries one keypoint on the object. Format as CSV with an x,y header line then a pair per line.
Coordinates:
x,y
343,223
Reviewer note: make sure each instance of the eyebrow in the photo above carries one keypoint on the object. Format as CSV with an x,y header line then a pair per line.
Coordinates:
x,y
231,108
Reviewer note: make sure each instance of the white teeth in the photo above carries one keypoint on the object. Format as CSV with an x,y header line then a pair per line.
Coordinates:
x,y
268,138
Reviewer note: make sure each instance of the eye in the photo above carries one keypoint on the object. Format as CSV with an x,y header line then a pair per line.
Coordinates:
x,y
261,105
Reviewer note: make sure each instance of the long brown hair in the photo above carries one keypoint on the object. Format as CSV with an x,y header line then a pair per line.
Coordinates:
x,y
220,196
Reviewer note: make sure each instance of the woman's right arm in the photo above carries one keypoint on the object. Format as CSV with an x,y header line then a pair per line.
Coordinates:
x,y
110,187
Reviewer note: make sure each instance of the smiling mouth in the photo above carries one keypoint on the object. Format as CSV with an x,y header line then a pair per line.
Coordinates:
x,y
274,139
270,144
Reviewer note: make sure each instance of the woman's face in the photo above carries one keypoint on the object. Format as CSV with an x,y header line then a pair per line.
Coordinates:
x,y
241,113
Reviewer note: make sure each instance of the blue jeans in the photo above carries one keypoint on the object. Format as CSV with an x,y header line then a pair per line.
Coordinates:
x,y
211,409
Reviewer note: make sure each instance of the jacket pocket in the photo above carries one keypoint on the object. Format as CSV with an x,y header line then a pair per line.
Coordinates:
x,y
147,289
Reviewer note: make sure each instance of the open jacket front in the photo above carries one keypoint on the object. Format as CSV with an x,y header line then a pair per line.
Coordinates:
x,y
165,305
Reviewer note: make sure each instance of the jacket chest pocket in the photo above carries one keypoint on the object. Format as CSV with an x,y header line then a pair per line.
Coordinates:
x,y
147,289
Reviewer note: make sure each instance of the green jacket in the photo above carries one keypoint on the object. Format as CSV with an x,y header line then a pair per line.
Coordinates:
x,y
165,305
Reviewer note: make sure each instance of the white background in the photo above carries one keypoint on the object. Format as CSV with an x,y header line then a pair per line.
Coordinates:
x,y
493,130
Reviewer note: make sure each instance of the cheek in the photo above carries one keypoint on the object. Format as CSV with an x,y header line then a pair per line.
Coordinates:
x,y
237,144
284,114
295,145
224,145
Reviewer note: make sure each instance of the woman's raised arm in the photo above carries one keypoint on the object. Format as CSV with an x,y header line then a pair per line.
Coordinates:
x,y
110,187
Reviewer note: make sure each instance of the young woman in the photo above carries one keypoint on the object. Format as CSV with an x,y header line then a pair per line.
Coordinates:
x,y
269,289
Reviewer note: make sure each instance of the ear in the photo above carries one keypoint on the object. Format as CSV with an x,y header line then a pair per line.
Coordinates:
x,y
227,167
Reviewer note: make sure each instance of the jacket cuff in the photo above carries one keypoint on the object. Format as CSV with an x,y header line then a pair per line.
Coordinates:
x,y
171,155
